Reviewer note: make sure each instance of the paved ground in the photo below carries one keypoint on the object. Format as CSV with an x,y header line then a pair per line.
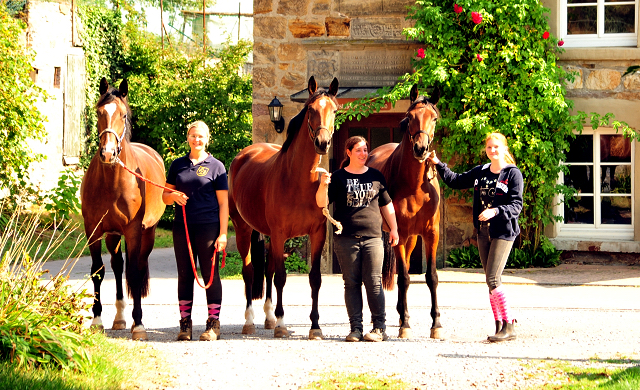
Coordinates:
x,y
573,312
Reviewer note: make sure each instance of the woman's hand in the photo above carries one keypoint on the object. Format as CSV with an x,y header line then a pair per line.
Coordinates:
x,y
179,197
221,242
487,214
326,179
432,158
394,237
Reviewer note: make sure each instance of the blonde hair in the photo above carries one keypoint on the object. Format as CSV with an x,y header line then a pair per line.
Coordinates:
x,y
503,140
199,125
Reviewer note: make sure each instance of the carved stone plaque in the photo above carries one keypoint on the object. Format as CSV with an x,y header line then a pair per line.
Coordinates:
x,y
323,65
376,28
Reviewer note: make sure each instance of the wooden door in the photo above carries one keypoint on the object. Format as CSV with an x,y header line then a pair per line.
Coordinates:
x,y
74,105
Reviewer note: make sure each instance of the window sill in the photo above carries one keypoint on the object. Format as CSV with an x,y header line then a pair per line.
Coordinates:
x,y
600,54
568,244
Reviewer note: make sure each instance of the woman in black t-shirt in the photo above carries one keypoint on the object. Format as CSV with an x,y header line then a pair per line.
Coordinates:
x,y
202,180
360,196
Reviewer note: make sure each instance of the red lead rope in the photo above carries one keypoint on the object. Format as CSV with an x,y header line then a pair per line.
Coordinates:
x,y
184,217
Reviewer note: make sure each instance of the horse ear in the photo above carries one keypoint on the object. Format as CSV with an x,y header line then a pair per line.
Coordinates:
x,y
104,86
413,95
333,88
124,88
435,96
313,86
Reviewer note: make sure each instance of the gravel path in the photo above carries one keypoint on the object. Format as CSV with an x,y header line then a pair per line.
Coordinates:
x,y
555,321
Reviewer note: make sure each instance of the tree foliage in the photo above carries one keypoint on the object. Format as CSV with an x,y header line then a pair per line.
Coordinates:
x,y
495,64
20,119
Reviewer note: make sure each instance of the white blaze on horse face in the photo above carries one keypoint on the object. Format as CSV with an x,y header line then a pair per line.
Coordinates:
x,y
322,103
110,108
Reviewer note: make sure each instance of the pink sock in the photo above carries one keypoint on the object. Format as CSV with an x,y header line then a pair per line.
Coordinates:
x,y
503,305
185,308
494,306
214,310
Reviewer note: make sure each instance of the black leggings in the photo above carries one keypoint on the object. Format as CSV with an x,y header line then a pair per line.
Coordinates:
x,y
203,238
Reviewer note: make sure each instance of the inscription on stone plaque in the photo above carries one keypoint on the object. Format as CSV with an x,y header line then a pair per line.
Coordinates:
x,y
323,66
376,28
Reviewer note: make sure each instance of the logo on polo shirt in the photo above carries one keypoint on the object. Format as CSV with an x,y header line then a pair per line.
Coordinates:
x,y
202,171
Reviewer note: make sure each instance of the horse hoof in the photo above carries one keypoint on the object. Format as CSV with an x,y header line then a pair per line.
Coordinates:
x,y
437,333
280,332
97,328
249,329
406,333
119,325
269,324
139,333
315,334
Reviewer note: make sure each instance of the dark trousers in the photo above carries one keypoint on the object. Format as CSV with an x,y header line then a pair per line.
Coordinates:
x,y
493,254
203,238
361,259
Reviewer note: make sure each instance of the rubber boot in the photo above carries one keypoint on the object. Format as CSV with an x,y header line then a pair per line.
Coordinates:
x,y
506,333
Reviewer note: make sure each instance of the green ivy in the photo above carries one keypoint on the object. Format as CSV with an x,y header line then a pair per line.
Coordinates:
x,y
498,75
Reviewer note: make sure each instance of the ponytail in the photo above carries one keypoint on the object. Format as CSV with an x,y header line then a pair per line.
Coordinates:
x,y
351,142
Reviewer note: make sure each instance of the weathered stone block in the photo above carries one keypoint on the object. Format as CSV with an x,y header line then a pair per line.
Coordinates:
x,y
293,81
603,79
337,27
263,53
288,52
262,6
263,78
293,7
455,235
270,27
577,82
321,7
283,66
459,213
301,29
258,109
632,81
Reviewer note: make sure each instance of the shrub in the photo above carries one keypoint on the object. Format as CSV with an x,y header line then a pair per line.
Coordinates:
x,y
233,266
296,264
546,255
464,257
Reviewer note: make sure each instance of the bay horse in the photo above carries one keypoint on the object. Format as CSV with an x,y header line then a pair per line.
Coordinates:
x,y
272,191
116,203
413,186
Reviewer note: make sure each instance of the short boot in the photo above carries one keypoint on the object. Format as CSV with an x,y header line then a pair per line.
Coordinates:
x,y
212,331
185,329
507,332
498,328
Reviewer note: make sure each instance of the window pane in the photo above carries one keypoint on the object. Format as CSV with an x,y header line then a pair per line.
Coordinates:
x,y
380,136
397,135
361,131
615,179
580,177
615,148
581,149
579,211
619,18
581,2
582,20
615,210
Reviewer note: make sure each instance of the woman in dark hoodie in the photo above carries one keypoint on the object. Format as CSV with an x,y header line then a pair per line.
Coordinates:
x,y
497,203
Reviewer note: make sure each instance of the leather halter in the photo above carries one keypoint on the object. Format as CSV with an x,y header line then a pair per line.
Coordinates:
x,y
314,134
118,137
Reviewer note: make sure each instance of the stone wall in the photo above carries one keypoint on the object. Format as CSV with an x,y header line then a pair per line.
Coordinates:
x,y
602,80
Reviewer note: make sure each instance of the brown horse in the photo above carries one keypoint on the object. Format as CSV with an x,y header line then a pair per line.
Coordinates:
x,y
272,191
116,203
413,186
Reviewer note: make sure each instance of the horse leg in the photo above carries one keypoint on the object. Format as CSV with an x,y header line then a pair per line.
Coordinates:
x,y
403,256
431,244
276,266
97,275
315,280
137,268
243,241
117,265
270,320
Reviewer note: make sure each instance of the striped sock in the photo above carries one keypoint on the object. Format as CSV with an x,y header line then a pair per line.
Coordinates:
x,y
503,305
185,308
494,306
214,310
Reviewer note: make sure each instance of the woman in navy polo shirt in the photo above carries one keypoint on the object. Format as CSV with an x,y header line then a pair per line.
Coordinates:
x,y
497,203
203,181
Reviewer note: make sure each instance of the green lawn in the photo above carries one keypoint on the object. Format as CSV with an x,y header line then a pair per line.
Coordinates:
x,y
609,374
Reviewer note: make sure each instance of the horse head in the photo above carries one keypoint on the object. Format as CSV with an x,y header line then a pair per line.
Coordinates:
x,y
322,106
113,120
420,122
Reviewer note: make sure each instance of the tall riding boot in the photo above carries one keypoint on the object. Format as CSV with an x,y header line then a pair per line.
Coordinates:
x,y
507,332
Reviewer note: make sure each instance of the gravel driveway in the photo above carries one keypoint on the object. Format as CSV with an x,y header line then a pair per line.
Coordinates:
x,y
588,312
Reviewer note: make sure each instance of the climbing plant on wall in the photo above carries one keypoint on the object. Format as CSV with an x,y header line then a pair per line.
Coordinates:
x,y
495,64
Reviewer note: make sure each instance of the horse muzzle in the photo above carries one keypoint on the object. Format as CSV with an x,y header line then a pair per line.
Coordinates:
x,y
322,146
420,152
108,156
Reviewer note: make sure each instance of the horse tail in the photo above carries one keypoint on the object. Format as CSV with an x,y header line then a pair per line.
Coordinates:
x,y
258,261
388,264
137,277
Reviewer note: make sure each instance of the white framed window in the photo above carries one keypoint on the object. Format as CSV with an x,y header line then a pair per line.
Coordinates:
x,y
593,23
601,170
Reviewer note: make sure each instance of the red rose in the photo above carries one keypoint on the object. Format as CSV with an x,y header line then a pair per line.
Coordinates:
x,y
476,17
479,57
560,42
545,35
420,53
457,9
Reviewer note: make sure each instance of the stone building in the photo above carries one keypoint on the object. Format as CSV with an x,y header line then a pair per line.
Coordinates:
x,y
58,68
361,43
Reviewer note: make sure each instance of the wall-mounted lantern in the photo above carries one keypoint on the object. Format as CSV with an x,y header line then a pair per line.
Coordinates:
x,y
275,112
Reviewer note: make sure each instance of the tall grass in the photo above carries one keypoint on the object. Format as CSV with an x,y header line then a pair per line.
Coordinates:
x,y
41,320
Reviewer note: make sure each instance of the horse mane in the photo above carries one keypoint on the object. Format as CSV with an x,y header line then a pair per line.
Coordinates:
x,y
111,95
295,124
421,99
